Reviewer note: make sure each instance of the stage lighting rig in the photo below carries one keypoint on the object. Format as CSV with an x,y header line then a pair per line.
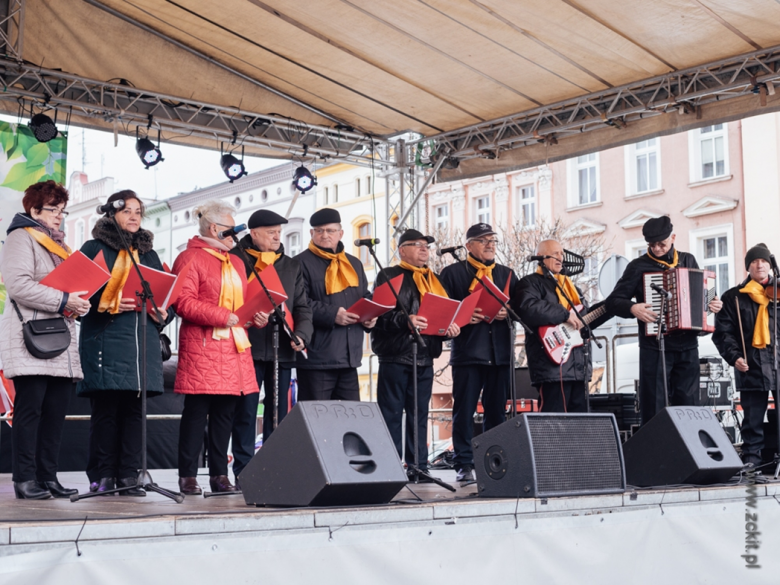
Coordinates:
x,y
43,127
232,166
303,179
149,154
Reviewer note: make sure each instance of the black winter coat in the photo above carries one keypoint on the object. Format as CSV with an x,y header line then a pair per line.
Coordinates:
x,y
482,343
631,286
536,303
332,346
391,337
729,343
289,271
110,345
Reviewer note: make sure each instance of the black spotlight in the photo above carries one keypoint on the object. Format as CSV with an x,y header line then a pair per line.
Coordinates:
x,y
233,167
149,154
303,179
43,127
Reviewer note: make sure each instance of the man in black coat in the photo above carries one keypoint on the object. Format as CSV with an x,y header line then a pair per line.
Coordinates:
x,y
392,341
538,303
681,347
747,346
334,281
480,355
264,248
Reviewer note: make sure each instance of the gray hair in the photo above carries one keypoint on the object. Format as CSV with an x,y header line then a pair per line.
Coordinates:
x,y
212,212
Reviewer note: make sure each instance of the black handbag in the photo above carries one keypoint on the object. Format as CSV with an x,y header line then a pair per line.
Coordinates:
x,y
165,347
44,338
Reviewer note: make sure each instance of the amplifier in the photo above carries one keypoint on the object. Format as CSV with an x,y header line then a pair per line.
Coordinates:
x,y
717,394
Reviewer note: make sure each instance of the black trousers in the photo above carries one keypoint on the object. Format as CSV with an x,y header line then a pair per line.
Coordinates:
x,y
467,383
245,420
338,384
39,414
116,428
754,403
563,397
219,409
682,375
394,395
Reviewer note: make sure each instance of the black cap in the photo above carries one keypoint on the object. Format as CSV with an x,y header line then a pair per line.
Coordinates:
x,y
657,229
325,216
478,230
756,252
411,235
264,218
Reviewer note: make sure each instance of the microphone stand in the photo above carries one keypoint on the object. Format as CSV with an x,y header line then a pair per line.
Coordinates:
x,y
776,273
585,325
416,340
144,480
659,336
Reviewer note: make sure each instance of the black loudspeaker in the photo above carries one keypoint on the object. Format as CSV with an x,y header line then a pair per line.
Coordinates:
x,y
681,444
523,387
541,455
326,453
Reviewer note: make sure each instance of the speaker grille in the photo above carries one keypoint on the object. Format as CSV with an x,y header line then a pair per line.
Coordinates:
x,y
575,455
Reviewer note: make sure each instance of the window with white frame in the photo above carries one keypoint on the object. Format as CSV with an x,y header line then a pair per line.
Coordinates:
x,y
584,180
293,245
364,231
635,248
526,200
716,256
79,233
357,187
709,152
335,193
326,192
367,181
646,165
441,216
483,209
590,278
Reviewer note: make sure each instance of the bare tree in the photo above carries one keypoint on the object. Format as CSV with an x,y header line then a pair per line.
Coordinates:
x,y
444,239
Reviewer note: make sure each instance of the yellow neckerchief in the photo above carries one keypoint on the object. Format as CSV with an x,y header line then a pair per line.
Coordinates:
x,y
340,274
667,264
112,294
49,243
264,259
567,286
231,297
757,293
482,271
425,279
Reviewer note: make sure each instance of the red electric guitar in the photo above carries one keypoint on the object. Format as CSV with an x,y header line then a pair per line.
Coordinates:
x,y
559,340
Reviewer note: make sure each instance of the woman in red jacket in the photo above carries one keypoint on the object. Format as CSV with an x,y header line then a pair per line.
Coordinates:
x,y
215,364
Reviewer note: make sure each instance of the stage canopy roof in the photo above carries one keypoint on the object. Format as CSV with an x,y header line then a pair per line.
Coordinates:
x,y
500,83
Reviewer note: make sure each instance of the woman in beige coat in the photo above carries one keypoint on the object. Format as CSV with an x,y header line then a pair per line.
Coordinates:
x,y
34,247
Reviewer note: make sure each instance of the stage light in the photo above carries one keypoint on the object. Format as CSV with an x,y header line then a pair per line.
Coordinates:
x,y
233,167
43,128
303,180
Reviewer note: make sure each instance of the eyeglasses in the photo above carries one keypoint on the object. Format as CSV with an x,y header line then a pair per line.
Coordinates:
x,y
55,211
416,245
486,243
330,232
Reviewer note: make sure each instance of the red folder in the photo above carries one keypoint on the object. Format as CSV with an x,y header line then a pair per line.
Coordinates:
x,y
165,286
77,273
489,305
255,299
442,312
382,301
466,309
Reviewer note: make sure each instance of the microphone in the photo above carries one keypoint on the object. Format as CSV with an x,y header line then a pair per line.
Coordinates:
x,y
113,206
232,231
773,261
661,291
537,258
449,250
367,242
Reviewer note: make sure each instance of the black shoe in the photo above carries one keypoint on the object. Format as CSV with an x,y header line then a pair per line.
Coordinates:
x,y
30,490
238,485
57,489
127,482
465,474
421,478
189,486
105,484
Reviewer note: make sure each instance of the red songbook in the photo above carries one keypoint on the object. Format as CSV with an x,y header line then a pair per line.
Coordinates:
x,y
78,273
255,299
489,305
382,301
165,286
442,312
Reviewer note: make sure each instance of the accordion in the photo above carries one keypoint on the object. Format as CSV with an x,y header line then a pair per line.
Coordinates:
x,y
688,310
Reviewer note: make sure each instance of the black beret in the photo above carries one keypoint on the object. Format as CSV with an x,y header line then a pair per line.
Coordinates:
x,y
478,230
264,218
411,235
756,252
325,216
657,229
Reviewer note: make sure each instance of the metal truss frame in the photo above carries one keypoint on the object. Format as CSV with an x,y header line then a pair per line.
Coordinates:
x,y
117,103
684,91
11,27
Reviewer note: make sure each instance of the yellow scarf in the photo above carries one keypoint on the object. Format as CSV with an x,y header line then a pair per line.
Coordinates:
x,y
672,265
231,297
340,274
264,259
112,294
48,243
426,280
482,271
567,286
757,294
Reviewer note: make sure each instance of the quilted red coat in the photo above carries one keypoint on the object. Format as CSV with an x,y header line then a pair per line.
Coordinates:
x,y
208,365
